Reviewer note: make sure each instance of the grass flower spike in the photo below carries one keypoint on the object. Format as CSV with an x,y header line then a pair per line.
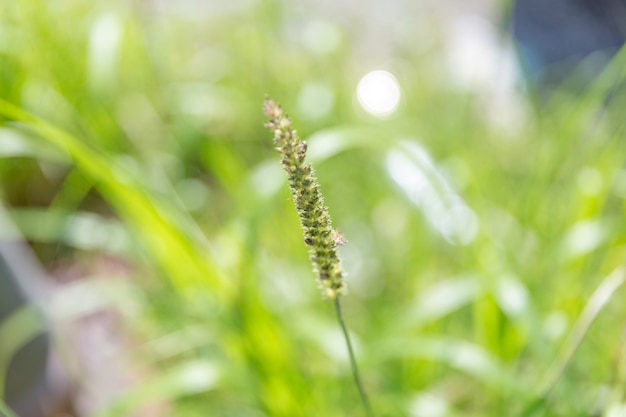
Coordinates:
x,y
319,234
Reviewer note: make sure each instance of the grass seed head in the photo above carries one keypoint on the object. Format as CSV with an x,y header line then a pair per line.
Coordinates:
x,y
319,234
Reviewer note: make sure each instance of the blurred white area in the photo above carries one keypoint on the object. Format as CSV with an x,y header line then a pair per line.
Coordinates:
x,y
442,298
427,404
414,172
512,296
481,61
616,410
379,93
463,42
555,325
476,56
104,48
583,238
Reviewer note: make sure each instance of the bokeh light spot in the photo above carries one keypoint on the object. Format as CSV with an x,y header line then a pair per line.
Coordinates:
x,y
379,93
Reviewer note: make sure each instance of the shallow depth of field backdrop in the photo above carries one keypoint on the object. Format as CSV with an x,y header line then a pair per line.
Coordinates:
x,y
134,160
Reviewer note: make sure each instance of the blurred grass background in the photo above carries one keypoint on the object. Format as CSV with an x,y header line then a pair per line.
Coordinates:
x,y
134,160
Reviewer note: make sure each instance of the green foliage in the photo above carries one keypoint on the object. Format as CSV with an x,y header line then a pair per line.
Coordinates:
x,y
473,249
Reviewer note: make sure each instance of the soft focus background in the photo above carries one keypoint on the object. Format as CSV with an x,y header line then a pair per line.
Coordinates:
x,y
481,215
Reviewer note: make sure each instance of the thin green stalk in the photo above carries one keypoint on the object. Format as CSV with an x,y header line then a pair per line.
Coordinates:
x,y
355,368
599,299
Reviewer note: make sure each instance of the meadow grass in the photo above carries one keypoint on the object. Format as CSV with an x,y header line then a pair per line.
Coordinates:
x,y
146,127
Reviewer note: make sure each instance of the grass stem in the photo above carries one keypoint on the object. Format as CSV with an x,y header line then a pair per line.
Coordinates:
x,y
598,300
355,368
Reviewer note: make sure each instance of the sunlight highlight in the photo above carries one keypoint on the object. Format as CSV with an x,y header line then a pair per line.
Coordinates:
x,y
379,93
